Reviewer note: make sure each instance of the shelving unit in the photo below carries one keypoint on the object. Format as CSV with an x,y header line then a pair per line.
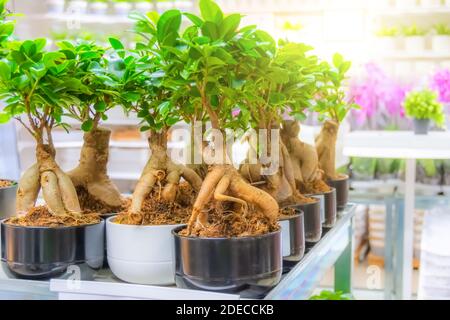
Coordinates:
x,y
334,249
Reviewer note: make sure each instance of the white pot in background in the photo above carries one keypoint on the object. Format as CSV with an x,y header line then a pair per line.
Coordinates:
x,y
141,254
164,6
430,3
56,6
415,44
122,8
441,43
406,4
99,8
387,44
77,7
143,6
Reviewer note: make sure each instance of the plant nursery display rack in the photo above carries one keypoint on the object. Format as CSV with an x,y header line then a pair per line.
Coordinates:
x,y
298,282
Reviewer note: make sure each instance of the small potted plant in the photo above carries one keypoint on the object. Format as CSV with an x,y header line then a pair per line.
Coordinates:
x,y
440,40
332,106
143,5
406,4
122,7
430,3
231,220
59,231
99,7
414,39
387,38
55,6
160,202
77,6
424,107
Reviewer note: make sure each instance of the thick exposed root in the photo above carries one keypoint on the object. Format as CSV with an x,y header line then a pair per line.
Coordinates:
x,y
91,174
159,198
305,161
228,196
326,148
28,190
42,217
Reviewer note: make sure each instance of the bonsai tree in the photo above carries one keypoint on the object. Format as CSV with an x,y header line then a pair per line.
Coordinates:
x,y
271,92
332,107
95,190
217,47
39,85
424,105
152,77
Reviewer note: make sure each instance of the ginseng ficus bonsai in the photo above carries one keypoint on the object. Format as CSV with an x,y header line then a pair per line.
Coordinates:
x,y
96,192
39,86
152,77
332,108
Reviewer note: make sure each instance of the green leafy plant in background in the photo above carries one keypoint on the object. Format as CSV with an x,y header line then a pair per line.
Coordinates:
x,y
442,29
387,32
332,295
424,105
413,31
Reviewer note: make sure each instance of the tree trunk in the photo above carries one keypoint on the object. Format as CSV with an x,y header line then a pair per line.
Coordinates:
x,y
326,148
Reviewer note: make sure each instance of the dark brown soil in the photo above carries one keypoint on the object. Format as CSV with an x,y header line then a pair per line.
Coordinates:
x,y
89,204
227,222
41,217
287,212
158,212
5,183
317,186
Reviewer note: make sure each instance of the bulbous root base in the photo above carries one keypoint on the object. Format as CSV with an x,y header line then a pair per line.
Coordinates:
x,y
236,207
57,188
326,149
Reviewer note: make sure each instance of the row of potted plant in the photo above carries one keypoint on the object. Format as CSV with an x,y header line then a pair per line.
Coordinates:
x,y
412,4
119,7
222,220
429,171
414,38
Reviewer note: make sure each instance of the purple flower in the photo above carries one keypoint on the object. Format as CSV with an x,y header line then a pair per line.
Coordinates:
x,y
440,82
235,112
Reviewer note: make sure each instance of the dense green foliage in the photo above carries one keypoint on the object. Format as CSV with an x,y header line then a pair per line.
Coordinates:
x,y
424,105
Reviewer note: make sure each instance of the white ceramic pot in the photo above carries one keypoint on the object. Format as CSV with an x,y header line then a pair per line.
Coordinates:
x,y
56,6
415,44
387,44
77,7
122,8
143,6
406,4
141,254
99,8
441,43
430,3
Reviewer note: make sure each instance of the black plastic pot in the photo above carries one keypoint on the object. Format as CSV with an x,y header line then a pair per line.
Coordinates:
x,y
342,186
8,201
330,208
41,252
293,239
312,221
249,266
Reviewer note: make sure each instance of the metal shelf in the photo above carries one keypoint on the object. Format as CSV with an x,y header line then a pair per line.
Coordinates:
x,y
335,248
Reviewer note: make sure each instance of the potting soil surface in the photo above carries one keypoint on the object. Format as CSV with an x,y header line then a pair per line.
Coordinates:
x,y
5,183
41,217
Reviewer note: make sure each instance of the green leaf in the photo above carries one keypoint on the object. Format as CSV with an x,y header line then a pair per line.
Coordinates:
x,y
197,21
210,11
100,106
4,117
5,71
229,26
337,60
87,125
168,23
209,29
116,44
